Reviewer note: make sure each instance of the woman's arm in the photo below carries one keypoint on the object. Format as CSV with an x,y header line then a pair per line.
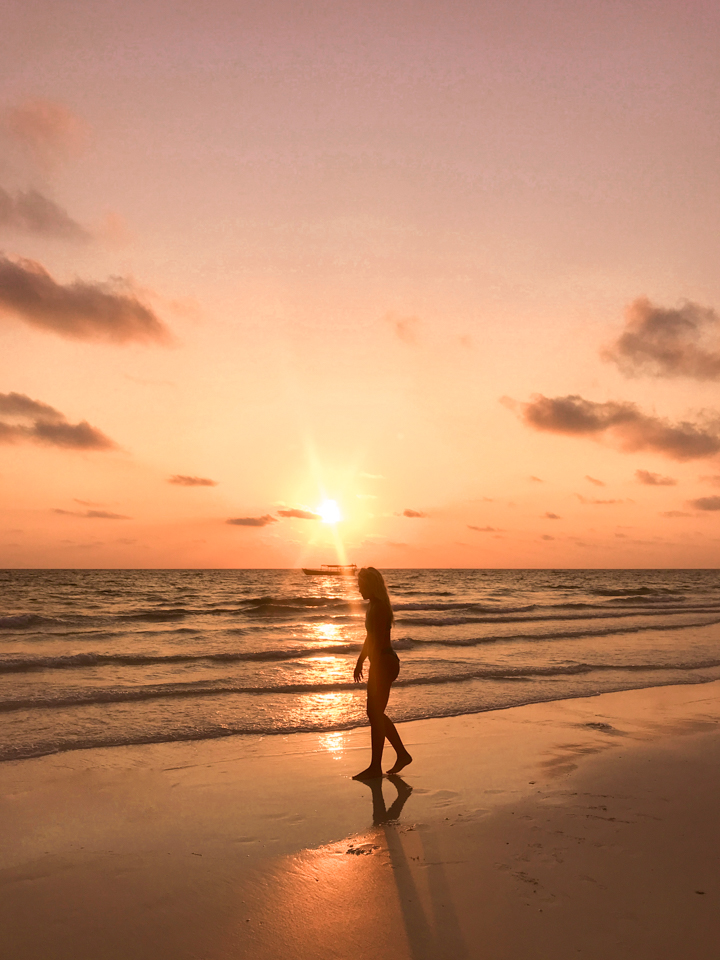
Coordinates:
x,y
358,673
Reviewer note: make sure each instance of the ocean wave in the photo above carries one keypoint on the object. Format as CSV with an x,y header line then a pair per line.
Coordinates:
x,y
24,664
25,621
200,688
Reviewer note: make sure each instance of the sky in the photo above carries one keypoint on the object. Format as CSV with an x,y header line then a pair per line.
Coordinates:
x,y
452,267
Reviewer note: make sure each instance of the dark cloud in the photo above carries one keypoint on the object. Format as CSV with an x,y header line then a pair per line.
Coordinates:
x,y
675,513
182,481
594,480
41,423
552,516
623,423
300,514
252,521
483,529
654,479
714,480
31,212
48,130
93,514
80,311
546,536
659,342
705,503
412,513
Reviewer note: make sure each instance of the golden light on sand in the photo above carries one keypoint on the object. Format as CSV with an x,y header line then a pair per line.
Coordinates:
x,y
329,511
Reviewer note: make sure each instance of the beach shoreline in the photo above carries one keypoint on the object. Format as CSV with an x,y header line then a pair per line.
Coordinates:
x,y
585,819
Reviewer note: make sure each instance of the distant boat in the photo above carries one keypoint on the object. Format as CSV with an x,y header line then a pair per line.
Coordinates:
x,y
332,570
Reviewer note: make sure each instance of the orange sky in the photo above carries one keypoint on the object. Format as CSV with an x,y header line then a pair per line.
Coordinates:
x,y
453,266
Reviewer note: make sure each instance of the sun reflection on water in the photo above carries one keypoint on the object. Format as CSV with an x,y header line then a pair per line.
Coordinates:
x,y
334,743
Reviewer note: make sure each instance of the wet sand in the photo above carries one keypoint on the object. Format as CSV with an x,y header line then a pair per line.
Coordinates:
x,y
581,828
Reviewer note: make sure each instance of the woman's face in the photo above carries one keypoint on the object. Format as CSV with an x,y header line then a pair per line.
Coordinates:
x,y
362,587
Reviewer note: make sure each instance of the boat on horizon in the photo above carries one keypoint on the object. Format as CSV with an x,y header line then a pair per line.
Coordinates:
x,y
332,570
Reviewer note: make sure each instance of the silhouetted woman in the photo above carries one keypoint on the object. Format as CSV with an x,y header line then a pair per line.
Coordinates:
x,y
384,668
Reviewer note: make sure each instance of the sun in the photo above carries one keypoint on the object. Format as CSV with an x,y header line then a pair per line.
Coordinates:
x,y
329,511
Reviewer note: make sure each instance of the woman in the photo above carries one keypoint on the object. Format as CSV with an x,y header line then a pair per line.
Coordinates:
x,y
384,668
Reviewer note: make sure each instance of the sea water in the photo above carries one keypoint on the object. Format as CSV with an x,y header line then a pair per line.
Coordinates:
x,y
109,657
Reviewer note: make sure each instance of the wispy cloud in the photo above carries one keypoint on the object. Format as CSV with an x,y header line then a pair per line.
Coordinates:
x,y
713,479
252,521
624,424
406,328
551,516
414,514
299,514
654,479
666,342
675,513
108,311
594,480
31,212
583,499
49,131
180,480
92,514
484,529
43,424
537,480
705,503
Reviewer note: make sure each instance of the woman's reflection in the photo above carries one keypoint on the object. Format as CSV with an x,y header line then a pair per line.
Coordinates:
x,y
381,814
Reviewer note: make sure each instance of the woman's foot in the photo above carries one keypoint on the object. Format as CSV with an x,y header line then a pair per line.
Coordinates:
x,y
403,759
372,773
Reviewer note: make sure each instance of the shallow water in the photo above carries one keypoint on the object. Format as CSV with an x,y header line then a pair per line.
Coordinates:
x,y
97,658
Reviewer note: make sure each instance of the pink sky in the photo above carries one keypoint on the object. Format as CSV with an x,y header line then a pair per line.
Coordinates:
x,y
450,265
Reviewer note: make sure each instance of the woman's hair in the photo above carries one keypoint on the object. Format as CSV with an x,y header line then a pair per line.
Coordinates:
x,y
374,585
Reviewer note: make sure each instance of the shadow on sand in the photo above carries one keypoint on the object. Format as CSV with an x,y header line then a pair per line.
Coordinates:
x,y
433,933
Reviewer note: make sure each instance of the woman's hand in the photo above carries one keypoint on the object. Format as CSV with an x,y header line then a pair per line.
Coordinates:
x,y
358,674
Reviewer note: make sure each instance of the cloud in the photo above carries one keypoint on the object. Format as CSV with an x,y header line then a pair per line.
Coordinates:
x,y
412,513
300,514
93,514
48,130
108,311
622,423
31,212
41,423
537,480
714,480
483,529
546,536
182,481
252,521
705,503
406,328
660,342
654,479
583,499
675,513
594,480
552,516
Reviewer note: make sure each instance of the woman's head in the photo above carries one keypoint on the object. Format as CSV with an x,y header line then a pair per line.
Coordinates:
x,y
372,586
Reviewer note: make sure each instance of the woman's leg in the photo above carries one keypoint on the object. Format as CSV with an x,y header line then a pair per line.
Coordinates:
x,y
378,693
403,757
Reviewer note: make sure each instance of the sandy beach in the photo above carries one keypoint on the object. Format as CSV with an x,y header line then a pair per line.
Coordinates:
x,y
582,827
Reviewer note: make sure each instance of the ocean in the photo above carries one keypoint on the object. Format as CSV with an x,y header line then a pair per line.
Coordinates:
x,y
98,658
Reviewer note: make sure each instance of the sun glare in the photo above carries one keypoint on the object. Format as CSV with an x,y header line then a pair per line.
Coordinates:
x,y
329,511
